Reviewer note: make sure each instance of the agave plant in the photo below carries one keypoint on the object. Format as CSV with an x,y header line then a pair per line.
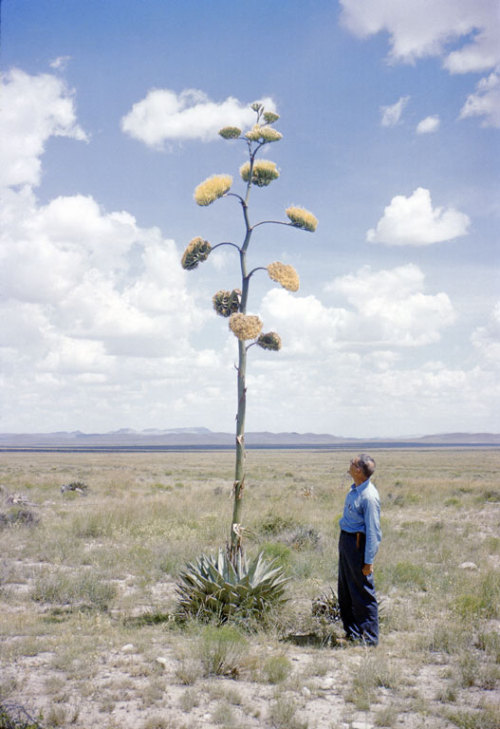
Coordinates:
x,y
218,588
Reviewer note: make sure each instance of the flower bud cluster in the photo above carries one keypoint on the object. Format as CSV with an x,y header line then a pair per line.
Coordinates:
x,y
301,218
284,274
212,188
227,302
245,326
230,132
263,172
197,251
271,341
270,117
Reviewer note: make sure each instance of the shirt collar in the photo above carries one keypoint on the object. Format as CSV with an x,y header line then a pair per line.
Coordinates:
x,y
361,485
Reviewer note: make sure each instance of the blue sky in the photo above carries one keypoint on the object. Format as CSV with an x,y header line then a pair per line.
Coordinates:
x,y
390,119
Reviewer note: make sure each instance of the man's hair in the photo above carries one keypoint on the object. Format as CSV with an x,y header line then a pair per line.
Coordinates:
x,y
367,464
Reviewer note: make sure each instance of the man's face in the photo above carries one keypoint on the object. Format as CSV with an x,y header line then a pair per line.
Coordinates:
x,y
355,471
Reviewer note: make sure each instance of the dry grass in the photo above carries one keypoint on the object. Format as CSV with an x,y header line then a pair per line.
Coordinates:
x,y
87,587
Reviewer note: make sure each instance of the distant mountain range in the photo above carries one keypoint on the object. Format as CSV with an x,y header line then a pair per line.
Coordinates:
x,y
199,437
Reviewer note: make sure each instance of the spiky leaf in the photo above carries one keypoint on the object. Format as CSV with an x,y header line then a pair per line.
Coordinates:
x,y
214,587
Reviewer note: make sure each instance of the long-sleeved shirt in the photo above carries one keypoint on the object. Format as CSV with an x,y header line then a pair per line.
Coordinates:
x,y
362,514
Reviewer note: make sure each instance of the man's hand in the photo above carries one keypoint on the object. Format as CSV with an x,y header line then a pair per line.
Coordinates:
x,y
367,569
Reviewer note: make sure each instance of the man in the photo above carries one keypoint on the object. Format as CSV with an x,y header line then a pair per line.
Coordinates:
x,y
359,541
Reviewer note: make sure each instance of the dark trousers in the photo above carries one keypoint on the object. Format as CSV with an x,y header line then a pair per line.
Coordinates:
x,y
357,598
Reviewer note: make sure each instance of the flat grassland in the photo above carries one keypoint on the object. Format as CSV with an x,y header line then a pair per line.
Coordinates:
x,y
87,592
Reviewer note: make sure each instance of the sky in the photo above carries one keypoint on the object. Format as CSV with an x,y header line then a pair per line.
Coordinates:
x,y
109,119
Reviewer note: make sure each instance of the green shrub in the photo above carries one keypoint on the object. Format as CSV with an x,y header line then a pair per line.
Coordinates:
x,y
273,525
222,649
277,551
277,669
486,718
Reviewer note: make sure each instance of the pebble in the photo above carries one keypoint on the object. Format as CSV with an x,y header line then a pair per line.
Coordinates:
x,y
306,692
161,660
468,566
128,648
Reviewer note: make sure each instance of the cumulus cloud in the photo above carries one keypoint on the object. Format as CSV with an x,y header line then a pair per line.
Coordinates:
x,y
485,102
428,125
392,114
392,308
97,276
34,108
384,308
418,30
93,305
486,339
413,221
164,116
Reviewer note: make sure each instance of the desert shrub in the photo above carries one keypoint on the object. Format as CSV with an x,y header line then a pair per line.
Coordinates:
x,y
303,537
481,600
277,551
484,718
81,589
222,649
283,715
276,669
275,524
18,516
15,716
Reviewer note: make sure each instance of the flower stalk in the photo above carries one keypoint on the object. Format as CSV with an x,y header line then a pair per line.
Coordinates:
x,y
233,304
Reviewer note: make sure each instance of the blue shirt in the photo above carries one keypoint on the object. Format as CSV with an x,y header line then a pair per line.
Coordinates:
x,y
362,514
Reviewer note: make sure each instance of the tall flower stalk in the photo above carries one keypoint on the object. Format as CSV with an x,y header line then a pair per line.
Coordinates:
x,y
233,304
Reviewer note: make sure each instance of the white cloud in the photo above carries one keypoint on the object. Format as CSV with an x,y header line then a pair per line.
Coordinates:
x,y
486,339
418,29
428,125
392,114
392,308
33,109
485,101
388,308
164,115
98,276
60,63
413,221
91,302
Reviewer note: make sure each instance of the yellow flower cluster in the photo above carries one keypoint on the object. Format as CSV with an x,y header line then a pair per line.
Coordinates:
x,y
197,251
284,274
254,134
245,326
263,134
269,134
212,188
302,218
271,340
263,172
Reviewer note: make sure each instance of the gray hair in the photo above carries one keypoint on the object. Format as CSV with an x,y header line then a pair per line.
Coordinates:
x,y
367,464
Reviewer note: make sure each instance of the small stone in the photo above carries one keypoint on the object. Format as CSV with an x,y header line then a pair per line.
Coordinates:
x,y
306,692
468,566
128,648
361,725
162,661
